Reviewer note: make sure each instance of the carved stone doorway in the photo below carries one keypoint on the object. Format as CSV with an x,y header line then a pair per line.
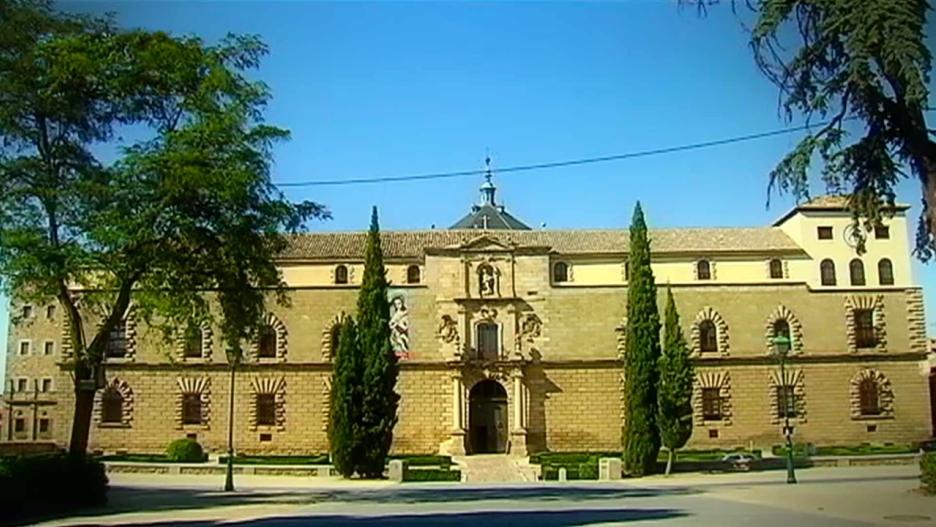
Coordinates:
x,y
487,418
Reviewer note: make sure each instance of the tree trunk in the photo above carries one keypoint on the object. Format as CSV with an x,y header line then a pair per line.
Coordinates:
x,y
81,421
669,460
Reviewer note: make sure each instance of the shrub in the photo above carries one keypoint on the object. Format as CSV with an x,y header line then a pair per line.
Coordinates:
x,y
928,472
50,483
185,451
432,474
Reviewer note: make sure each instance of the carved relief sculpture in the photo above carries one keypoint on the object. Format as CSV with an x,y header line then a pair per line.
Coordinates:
x,y
487,279
399,327
448,329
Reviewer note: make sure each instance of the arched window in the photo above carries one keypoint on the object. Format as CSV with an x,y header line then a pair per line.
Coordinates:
x,y
488,341
341,274
112,406
869,402
703,270
192,342
885,272
827,272
266,347
560,272
335,337
708,336
856,270
413,274
776,269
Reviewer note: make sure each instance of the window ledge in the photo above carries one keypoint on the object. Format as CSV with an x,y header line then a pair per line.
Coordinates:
x,y
872,417
113,425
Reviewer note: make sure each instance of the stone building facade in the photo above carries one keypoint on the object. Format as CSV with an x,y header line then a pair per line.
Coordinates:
x,y
511,340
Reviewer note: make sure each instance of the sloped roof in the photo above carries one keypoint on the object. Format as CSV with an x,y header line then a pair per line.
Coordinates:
x,y
490,217
413,244
828,202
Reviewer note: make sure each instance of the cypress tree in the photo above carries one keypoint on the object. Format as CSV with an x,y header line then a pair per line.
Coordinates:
x,y
345,404
675,388
379,399
641,436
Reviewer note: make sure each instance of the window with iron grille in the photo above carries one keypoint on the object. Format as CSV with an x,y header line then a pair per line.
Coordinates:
x,y
865,334
885,272
704,270
560,272
786,401
488,345
267,344
711,404
856,269
708,336
112,406
116,345
192,344
341,274
881,232
191,409
827,272
413,274
824,233
776,269
45,427
868,399
266,409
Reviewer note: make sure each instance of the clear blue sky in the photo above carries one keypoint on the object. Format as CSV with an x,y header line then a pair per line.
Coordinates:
x,y
386,89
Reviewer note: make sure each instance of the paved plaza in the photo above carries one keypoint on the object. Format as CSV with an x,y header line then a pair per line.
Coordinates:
x,y
825,497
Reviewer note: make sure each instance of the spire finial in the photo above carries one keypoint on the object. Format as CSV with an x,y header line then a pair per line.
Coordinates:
x,y
487,188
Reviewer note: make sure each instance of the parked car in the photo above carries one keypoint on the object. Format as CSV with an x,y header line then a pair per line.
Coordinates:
x,y
929,445
739,461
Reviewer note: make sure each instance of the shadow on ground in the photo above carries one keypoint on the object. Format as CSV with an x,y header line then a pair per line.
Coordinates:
x,y
560,518
139,499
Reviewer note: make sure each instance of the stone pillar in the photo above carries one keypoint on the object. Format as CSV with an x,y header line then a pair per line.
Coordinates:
x,y
456,443
518,439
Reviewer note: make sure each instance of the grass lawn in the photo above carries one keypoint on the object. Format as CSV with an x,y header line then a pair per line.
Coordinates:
x,y
317,459
853,450
142,458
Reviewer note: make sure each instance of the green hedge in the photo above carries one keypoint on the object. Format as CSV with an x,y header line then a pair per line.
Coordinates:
x,y
320,459
928,472
845,450
569,458
185,450
714,454
578,471
432,474
50,483
139,458
426,461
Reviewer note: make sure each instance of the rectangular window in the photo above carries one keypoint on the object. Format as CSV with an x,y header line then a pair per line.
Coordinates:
x,y
50,311
27,311
711,404
22,384
266,409
824,233
191,409
45,427
48,347
786,401
488,348
19,425
116,346
865,335
882,232
46,385
24,346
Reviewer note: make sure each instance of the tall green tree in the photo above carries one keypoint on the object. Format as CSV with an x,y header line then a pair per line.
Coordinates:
x,y
674,394
862,68
345,405
641,436
184,218
379,399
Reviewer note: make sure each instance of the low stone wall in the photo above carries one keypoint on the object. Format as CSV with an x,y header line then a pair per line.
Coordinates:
x,y
203,469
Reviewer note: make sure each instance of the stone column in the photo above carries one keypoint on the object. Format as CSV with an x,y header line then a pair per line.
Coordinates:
x,y
518,439
456,442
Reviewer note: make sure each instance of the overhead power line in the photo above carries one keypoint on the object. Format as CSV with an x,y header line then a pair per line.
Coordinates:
x,y
552,164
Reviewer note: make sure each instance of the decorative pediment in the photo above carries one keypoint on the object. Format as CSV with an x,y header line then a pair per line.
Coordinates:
x,y
486,243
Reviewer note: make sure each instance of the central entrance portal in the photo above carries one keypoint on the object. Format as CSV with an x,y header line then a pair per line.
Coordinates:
x,y
487,418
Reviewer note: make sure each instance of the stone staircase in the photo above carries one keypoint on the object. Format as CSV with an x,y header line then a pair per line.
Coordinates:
x,y
495,468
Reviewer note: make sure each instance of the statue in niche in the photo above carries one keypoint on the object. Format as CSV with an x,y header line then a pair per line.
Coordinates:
x,y
487,278
399,327
448,329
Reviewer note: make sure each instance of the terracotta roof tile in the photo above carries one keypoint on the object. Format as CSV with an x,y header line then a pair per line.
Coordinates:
x,y
413,244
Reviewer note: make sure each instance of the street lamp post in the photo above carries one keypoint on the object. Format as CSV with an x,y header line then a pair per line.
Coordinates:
x,y
781,349
229,475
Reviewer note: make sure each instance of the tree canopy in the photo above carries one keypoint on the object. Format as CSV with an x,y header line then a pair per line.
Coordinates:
x,y
861,67
187,209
